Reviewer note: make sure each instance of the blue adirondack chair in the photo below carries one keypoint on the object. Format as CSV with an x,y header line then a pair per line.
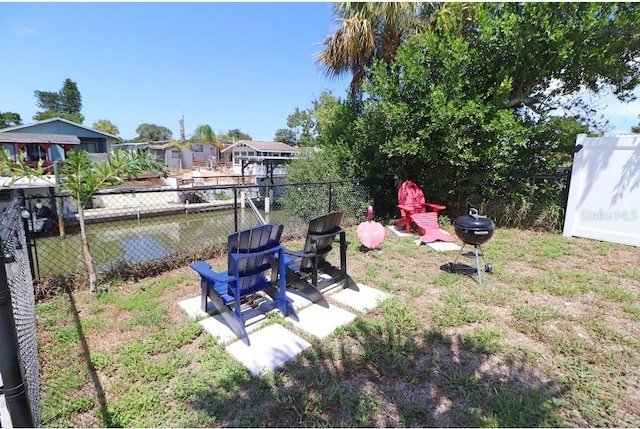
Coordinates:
x,y
252,253
303,267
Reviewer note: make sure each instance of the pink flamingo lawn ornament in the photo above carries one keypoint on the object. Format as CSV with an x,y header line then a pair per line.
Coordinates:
x,y
370,233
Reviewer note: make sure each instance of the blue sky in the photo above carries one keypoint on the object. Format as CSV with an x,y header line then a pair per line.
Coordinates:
x,y
229,65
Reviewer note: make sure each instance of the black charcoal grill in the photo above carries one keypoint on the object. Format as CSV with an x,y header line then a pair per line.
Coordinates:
x,y
474,230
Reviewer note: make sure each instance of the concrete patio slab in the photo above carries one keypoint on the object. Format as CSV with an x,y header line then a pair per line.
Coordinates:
x,y
400,232
321,322
271,347
298,299
192,307
364,300
443,246
331,288
216,326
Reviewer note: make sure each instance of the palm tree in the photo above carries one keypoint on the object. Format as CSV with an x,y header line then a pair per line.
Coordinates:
x,y
106,126
370,30
204,134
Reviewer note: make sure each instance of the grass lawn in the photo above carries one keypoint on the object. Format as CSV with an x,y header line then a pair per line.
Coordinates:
x,y
551,338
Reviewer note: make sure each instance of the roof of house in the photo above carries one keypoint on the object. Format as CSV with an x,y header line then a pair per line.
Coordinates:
x,y
16,138
142,145
264,146
23,126
156,145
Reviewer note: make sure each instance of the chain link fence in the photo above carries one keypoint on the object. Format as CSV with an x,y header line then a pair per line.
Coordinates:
x,y
18,343
141,232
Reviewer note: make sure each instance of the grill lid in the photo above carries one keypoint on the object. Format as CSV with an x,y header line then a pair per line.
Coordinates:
x,y
474,221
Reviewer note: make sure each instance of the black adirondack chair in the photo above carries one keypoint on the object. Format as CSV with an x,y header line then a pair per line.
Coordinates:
x,y
252,253
303,267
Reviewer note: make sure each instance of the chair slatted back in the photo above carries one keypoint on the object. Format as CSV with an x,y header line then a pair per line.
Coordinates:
x,y
328,226
251,270
410,194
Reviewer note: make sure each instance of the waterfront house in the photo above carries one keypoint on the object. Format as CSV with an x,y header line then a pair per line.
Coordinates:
x,y
258,158
49,141
48,148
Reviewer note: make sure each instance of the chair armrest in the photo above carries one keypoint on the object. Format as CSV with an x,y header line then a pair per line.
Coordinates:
x,y
317,237
206,272
287,259
410,207
239,256
299,254
436,206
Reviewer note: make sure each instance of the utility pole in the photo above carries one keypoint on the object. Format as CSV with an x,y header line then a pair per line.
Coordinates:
x,y
182,138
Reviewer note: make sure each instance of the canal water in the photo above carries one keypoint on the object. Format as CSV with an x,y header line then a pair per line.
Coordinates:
x,y
145,239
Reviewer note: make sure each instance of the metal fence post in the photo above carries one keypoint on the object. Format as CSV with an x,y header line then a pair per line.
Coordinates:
x,y
58,200
14,389
235,209
25,215
330,195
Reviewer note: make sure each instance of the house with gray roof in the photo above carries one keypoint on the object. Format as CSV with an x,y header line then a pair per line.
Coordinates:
x,y
55,140
48,141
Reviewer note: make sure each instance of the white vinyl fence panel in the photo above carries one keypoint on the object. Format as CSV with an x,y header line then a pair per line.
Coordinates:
x,y
604,194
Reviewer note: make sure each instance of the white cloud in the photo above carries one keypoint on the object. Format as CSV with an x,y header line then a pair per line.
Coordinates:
x,y
24,30
621,116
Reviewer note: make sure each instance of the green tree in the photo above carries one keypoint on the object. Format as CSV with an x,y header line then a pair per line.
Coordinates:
x,y
133,163
302,122
70,98
369,30
319,124
152,132
466,108
9,119
205,134
326,111
66,103
234,135
48,100
49,114
551,52
106,126
286,135
81,179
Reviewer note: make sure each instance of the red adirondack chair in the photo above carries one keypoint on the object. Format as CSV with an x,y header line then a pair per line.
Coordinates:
x,y
429,229
410,201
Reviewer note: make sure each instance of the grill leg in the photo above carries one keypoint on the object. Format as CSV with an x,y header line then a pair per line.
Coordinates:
x,y
459,253
475,250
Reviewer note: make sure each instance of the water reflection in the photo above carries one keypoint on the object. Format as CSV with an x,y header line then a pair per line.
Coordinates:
x,y
145,239
143,248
